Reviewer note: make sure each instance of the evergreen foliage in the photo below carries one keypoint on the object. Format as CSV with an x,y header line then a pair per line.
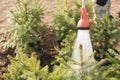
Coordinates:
x,y
105,36
24,28
24,68
65,22
67,17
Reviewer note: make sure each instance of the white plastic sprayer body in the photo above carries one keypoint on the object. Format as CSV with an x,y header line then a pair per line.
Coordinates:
x,y
83,38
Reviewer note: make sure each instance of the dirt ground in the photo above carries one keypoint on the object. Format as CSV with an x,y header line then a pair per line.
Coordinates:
x,y
6,5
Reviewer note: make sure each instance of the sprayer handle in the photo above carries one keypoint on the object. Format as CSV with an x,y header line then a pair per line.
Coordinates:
x,y
83,3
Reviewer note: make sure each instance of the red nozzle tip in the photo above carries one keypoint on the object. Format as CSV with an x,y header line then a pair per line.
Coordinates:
x,y
83,22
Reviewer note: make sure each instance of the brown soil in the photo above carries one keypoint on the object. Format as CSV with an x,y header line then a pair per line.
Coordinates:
x,y
115,7
6,5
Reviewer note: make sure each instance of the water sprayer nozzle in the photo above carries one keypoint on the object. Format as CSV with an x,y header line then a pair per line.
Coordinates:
x,y
83,22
